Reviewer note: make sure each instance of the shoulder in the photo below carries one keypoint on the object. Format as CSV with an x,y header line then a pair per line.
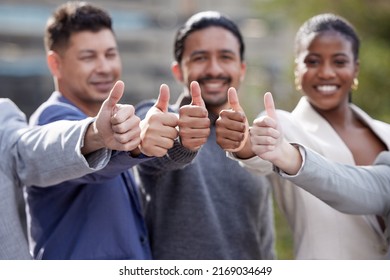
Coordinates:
x,y
11,117
9,110
145,104
55,109
367,118
13,123
379,127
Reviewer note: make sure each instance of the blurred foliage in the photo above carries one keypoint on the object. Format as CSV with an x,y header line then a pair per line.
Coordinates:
x,y
284,244
371,19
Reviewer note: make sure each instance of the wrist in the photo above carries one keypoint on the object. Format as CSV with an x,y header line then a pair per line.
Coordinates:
x,y
92,140
290,160
246,151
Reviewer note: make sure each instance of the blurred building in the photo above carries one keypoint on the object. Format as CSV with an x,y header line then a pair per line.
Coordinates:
x,y
145,30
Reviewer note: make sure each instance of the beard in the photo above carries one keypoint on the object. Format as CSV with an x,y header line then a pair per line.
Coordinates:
x,y
211,102
215,98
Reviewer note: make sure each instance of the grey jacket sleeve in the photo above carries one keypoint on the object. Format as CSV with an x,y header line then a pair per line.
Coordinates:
x,y
350,189
50,154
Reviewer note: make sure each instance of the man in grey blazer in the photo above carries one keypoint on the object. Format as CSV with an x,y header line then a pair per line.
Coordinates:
x,y
48,155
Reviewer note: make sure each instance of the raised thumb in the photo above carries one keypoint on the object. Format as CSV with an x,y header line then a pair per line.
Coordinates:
x,y
115,95
162,102
196,94
269,105
233,100
235,105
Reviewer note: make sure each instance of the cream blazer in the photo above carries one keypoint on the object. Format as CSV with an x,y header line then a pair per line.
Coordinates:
x,y
319,231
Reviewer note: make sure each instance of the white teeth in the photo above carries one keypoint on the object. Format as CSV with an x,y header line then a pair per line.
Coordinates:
x,y
213,85
327,88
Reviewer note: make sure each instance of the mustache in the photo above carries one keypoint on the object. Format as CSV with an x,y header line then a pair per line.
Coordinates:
x,y
211,78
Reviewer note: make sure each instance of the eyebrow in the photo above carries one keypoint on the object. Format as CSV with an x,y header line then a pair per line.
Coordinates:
x,y
196,52
82,51
317,54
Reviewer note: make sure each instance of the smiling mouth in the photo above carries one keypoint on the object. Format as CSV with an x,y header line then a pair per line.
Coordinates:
x,y
327,88
103,86
214,84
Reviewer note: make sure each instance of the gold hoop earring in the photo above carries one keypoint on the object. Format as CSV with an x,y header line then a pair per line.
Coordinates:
x,y
298,86
355,84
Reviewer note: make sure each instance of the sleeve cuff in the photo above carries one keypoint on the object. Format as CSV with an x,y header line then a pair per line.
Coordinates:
x,y
302,151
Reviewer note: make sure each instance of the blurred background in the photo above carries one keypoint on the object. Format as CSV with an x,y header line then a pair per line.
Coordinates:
x,y
145,30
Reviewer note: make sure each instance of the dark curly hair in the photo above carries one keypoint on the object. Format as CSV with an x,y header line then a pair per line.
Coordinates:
x,y
328,22
204,20
72,17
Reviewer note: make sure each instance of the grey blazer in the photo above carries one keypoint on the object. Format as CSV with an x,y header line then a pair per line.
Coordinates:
x,y
40,156
349,189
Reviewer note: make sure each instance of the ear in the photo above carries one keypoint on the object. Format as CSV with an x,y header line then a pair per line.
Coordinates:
x,y
357,68
54,63
297,79
296,68
176,71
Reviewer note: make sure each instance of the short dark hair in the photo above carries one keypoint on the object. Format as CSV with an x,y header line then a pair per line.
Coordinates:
x,y
328,22
204,20
72,17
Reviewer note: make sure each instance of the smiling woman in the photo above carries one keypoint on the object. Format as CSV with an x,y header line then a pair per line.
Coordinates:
x,y
327,66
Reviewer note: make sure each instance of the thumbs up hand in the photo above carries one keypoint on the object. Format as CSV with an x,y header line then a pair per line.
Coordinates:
x,y
158,129
269,143
117,125
232,128
194,124
266,136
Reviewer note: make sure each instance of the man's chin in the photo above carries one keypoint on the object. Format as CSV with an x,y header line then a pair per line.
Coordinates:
x,y
210,102
101,97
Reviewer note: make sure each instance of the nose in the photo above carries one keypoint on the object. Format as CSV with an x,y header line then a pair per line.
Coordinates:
x,y
214,67
103,65
326,71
